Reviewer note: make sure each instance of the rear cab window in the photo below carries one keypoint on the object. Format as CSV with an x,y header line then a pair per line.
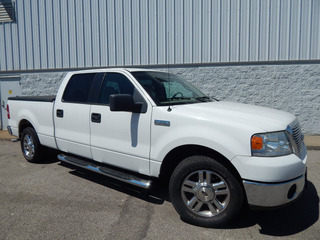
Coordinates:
x,y
78,88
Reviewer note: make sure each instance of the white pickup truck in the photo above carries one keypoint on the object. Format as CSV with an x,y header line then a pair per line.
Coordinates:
x,y
137,125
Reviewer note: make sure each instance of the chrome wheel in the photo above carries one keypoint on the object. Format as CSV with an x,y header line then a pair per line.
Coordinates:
x,y
31,148
28,146
205,192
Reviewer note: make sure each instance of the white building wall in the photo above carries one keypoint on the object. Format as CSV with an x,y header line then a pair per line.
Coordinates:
x,y
264,52
82,33
290,87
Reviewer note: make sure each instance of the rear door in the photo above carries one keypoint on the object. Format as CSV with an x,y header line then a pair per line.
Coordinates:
x,y
120,138
72,114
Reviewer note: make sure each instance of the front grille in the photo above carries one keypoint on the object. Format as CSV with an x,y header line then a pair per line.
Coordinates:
x,y
297,137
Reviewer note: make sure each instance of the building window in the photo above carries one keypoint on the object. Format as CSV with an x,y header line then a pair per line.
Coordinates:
x,y
7,11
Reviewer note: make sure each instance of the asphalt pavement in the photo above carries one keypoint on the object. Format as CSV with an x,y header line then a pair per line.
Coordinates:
x,y
53,201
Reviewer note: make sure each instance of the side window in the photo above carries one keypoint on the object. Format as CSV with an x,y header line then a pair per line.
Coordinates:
x,y
115,83
154,85
78,87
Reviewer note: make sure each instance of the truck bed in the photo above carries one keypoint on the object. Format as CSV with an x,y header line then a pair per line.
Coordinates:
x,y
38,111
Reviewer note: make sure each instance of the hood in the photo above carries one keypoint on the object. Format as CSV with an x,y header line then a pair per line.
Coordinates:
x,y
259,119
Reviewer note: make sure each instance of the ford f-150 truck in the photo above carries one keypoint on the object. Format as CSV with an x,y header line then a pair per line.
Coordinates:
x,y
137,125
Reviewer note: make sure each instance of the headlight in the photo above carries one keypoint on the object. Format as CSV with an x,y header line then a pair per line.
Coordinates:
x,y
270,144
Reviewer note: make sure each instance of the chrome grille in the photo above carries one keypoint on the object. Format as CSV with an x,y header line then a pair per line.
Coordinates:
x,y
297,135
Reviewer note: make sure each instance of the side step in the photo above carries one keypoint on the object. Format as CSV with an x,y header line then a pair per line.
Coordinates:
x,y
124,177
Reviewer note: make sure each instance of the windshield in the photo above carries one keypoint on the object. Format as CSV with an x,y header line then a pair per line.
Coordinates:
x,y
168,89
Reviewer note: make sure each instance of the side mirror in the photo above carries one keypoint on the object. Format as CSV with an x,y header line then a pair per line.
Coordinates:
x,y
124,103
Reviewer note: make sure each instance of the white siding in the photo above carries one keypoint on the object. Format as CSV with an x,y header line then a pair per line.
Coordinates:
x,y
92,33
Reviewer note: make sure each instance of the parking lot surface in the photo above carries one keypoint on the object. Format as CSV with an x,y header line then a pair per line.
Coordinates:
x,y
54,201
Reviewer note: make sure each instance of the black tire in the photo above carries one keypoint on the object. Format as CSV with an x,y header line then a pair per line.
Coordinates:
x,y
31,148
204,192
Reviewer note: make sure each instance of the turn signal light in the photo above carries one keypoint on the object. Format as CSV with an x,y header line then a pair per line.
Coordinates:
x,y
256,143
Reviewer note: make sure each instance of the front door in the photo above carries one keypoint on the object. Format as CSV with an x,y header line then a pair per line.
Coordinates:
x,y
10,87
120,138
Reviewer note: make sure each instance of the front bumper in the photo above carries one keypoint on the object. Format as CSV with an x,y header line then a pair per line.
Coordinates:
x,y
272,181
273,194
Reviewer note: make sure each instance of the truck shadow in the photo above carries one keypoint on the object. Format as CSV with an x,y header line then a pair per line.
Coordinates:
x,y
285,221
155,195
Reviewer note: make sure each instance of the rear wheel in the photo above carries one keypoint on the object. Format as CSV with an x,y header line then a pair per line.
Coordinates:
x,y
204,192
31,148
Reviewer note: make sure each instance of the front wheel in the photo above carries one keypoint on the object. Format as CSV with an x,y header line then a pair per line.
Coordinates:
x,y
204,192
31,148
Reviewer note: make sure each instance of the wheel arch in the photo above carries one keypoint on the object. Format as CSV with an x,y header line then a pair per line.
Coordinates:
x,y
176,155
23,124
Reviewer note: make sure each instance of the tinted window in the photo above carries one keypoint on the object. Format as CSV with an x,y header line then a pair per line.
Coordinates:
x,y
77,90
168,89
115,83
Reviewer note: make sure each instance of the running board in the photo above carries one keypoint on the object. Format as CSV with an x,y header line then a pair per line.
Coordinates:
x,y
124,177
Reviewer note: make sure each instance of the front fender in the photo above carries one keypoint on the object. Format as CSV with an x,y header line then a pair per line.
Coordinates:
x,y
165,139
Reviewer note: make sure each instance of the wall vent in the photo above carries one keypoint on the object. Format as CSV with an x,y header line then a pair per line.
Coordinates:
x,y
6,11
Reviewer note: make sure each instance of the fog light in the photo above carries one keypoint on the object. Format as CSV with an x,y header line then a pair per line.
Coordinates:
x,y
292,191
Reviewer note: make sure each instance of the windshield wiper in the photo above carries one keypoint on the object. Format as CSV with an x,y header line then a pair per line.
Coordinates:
x,y
179,98
203,99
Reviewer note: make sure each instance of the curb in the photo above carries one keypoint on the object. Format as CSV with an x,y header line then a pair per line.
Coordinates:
x,y
10,139
4,135
313,148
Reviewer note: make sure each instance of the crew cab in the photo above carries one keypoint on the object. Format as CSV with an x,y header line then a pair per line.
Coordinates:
x,y
138,125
